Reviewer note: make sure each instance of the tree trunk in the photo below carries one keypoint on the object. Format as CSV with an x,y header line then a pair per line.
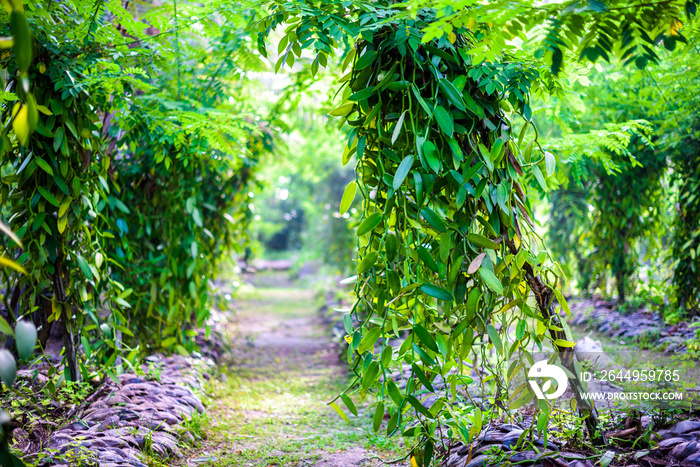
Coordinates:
x,y
620,280
68,324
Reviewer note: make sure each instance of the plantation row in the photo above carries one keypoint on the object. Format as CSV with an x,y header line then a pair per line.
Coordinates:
x,y
125,188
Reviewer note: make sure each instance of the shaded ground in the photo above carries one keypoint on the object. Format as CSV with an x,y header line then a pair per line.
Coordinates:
x,y
269,405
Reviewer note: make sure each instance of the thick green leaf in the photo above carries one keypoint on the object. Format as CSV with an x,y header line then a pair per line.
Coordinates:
x,y
43,165
431,156
84,266
420,408
370,375
422,377
433,219
495,338
397,128
22,39
394,392
378,416
369,339
454,96
348,197
402,171
427,258
425,337
491,280
342,110
482,241
367,262
550,163
48,196
369,224
339,411
437,292
540,178
365,60
349,404
362,95
445,122
25,338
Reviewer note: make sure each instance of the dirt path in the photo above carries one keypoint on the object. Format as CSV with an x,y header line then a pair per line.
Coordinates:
x,y
269,405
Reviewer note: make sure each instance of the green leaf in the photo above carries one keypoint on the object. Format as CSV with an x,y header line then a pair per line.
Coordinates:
x,y
370,375
402,171
427,258
454,96
563,343
197,217
367,262
433,219
491,280
425,337
607,458
362,95
8,368
456,150
340,412
497,151
369,224
169,342
369,339
394,392
422,377
495,338
397,128
7,231
420,408
5,327
58,138
348,197
482,241
420,100
430,153
22,39
7,262
365,60
349,404
342,110
437,292
550,163
444,120
378,416
540,178
486,155
48,196
25,338
526,397
84,266
44,165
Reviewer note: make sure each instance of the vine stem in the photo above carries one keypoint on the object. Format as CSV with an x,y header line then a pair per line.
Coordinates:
x,y
543,296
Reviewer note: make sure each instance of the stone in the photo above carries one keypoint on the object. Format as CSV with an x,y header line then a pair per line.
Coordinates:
x,y
477,461
691,461
493,437
682,450
523,458
685,426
